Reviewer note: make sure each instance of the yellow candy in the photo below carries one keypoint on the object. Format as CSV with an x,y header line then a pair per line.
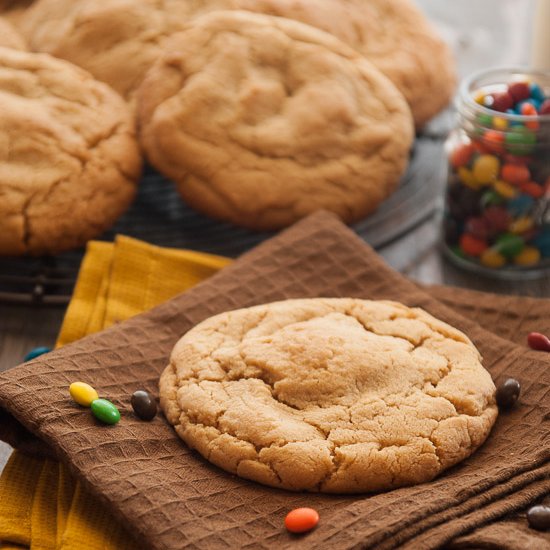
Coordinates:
x,y
500,123
491,258
505,190
486,169
467,178
528,256
479,97
83,393
521,225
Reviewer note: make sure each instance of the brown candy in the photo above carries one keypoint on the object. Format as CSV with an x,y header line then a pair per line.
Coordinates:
x,y
508,393
144,405
539,517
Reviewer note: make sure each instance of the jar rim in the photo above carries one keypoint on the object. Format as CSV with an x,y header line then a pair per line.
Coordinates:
x,y
467,99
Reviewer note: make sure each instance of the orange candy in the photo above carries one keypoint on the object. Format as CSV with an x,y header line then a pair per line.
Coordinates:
x,y
515,173
533,189
462,155
301,520
494,140
529,110
471,245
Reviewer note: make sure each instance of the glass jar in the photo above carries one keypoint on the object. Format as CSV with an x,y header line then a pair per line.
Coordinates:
x,y
497,203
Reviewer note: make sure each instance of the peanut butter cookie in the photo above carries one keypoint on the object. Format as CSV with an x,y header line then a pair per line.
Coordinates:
x,y
332,395
69,160
262,120
118,40
9,37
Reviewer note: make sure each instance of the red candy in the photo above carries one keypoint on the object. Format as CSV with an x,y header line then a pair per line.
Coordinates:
x,y
538,341
499,219
519,91
478,227
462,155
472,245
545,108
301,520
515,173
532,189
502,101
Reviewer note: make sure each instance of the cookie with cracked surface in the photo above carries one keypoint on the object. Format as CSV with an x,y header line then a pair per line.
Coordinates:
x,y
262,120
9,37
336,395
69,159
117,40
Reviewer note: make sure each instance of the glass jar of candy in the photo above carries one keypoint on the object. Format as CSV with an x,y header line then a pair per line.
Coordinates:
x,y
497,203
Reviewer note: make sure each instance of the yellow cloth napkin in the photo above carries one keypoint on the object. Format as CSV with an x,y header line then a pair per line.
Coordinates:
x,y
41,505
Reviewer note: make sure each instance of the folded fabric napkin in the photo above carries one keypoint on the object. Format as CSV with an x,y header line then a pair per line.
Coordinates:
x,y
168,497
41,504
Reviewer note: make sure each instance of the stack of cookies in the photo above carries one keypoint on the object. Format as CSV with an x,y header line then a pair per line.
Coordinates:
x,y
261,111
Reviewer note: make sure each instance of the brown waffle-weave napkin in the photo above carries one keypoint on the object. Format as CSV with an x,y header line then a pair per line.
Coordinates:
x,y
169,497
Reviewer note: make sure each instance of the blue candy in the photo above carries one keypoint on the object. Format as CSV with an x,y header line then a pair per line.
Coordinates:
x,y
542,242
36,352
521,205
513,122
536,92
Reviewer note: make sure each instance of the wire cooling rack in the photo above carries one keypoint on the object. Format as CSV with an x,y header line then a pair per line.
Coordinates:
x,y
159,216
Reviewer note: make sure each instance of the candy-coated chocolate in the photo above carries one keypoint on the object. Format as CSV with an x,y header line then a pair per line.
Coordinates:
x,y
491,198
542,242
521,225
472,246
519,91
83,393
467,178
498,218
491,258
502,101
521,205
478,227
515,173
509,245
532,189
105,411
538,517
301,520
486,168
144,405
500,123
528,256
461,155
485,120
507,393
494,140
36,352
505,189
520,141
536,92
538,341
545,107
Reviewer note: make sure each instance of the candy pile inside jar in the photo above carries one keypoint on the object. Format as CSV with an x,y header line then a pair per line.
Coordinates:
x,y
497,209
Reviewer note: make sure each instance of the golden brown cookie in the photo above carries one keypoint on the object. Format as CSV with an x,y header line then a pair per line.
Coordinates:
x,y
9,37
333,395
262,120
69,160
14,10
117,40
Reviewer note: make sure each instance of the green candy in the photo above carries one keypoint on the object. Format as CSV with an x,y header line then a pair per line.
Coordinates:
x,y
457,251
485,120
521,141
509,245
105,411
491,198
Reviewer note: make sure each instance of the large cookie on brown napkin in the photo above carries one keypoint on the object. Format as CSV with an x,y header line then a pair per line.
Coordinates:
x,y
331,395
9,37
118,40
69,159
262,120
169,497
